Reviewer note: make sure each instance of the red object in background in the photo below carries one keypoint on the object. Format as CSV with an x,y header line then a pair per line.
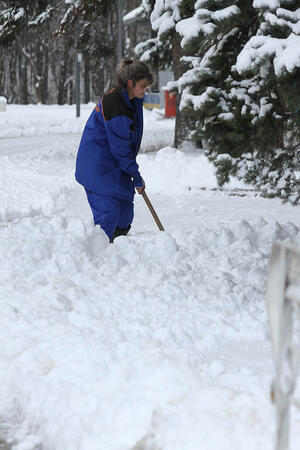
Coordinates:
x,y
170,104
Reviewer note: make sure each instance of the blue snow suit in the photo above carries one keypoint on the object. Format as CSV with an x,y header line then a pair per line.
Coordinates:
x,y
106,161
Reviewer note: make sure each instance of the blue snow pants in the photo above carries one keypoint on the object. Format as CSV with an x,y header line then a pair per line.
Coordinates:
x,y
110,212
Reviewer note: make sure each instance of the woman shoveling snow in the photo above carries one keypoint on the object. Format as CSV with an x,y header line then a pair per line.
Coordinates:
x,y
106,161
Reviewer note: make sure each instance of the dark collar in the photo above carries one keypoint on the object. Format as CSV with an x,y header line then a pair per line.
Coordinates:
x,y
125,97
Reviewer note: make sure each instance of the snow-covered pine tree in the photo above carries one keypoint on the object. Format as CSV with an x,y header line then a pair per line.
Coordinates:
x,y
164,51
273,55
219,97
157,51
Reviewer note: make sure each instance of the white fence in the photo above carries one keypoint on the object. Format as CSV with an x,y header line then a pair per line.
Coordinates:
x,y
283,304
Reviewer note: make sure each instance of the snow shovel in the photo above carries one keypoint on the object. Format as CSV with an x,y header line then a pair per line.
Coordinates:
x,y
152,210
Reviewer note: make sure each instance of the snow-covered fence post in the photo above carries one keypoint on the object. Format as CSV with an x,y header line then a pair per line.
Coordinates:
x,y
283,304
3,103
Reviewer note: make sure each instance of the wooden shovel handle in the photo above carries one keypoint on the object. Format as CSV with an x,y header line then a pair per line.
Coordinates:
x,y
152,210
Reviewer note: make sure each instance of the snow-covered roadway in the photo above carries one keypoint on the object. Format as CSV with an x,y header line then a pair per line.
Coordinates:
x,y
24,144
159,341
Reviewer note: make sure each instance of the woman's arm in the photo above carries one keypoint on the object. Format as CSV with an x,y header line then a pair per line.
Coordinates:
x,y
118,136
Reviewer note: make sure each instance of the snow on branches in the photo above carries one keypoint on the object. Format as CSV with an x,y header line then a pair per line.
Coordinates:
x,y
234,51
205,22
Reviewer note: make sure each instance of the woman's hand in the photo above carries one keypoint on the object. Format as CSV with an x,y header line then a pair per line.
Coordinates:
x,y
140,189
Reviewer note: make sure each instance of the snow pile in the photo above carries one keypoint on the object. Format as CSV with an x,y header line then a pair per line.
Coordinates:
x,y
31,185
32,120
112,360
173,171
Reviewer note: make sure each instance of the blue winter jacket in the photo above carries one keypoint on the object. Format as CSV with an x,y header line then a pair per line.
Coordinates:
x,y
106,159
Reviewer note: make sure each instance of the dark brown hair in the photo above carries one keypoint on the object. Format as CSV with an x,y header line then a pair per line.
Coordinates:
x,y
130,69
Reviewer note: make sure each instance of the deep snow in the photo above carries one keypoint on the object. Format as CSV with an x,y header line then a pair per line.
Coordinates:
x,y
160,341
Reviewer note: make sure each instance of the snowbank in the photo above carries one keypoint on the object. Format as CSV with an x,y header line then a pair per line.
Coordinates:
x,y
108,360
38,120
172,171
31,120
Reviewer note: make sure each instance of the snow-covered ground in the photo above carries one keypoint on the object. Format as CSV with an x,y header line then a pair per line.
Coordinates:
x,y
157,342
40,120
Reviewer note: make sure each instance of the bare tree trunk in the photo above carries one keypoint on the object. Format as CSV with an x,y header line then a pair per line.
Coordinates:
x,y
63,74
72,94
39,69
23,77
87,96
40,65
45,72
13,76
2,74
184,121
